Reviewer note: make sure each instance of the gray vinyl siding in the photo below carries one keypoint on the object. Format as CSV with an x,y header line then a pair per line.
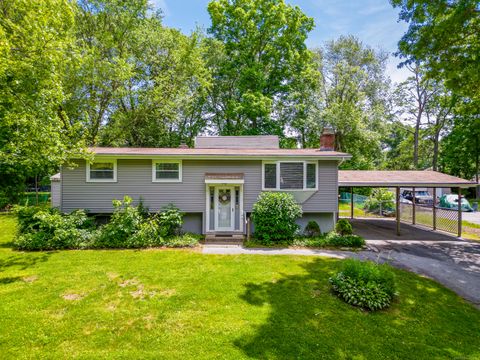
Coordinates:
x,y
134,178
326,198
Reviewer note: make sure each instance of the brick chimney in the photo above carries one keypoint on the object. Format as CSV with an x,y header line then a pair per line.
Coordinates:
x,y
327,139
183,146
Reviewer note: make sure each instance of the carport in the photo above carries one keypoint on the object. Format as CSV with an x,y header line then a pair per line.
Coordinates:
x,y
406,179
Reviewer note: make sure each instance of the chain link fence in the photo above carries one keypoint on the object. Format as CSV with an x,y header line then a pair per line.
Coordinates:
x,y
445,219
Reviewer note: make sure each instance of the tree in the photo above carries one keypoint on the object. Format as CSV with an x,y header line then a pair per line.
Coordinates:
x,y
140,83
352,97
261,51
445,35
36,48
460,149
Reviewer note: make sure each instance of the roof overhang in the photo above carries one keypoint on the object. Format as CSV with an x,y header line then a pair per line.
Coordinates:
x,y
400,178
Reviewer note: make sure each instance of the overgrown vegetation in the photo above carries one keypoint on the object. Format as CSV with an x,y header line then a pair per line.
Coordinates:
x,y
343,227
274,215
380,200
129,227
365,284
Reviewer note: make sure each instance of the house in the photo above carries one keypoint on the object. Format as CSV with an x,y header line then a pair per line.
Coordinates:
x,y
215,183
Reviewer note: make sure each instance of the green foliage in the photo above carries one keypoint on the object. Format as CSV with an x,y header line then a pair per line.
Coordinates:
x,y
334,239
380,199
37,49
343,227
43,228
125,221
312,229
259,58
48,229
171,220
274,216
365,284
445,35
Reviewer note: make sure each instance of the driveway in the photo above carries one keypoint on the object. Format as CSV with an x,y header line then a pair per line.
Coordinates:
x,y
453,262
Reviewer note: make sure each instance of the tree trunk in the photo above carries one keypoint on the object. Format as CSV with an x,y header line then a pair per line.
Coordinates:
x,y
415,140
435,150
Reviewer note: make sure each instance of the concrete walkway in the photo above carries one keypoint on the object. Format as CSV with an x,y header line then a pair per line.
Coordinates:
x,y
453,262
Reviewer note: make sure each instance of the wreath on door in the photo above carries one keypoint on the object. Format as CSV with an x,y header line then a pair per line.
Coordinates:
x,y
224,197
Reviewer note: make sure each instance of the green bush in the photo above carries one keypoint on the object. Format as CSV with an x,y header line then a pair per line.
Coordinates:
x,y
124,223
365,284
41,228
47,229
343,227
312,229
336,240
170,220
380,198
274,216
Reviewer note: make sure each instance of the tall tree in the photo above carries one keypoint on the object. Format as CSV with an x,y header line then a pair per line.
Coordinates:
x,y
445,35
413,97
262,50
36,48
353,97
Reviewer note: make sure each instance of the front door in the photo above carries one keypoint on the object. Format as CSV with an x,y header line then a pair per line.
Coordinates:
x,y
224,209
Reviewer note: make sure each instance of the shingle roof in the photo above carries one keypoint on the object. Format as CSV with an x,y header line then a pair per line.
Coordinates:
x,y
402,178
220,152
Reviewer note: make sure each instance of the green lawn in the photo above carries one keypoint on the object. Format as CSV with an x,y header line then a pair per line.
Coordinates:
x,y
185,305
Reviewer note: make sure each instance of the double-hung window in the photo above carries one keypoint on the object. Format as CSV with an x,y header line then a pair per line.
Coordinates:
x,y
290,175
102,171
167,171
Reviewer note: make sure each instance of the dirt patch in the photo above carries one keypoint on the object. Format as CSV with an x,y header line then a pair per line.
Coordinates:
x,y
129,282
168,292
30,279
73,297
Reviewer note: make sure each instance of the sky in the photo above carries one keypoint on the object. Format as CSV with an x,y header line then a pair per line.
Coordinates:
x,y
372,21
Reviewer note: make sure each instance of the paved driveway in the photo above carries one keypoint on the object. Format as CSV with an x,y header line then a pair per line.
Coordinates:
x,y
453,262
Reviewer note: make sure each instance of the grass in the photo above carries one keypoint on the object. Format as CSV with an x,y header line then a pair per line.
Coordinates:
x,y
180,304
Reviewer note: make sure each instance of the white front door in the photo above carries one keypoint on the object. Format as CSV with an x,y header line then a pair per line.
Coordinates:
x,y
224,208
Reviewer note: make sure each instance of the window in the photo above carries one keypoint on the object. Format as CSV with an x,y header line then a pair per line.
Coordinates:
x,y
290,175
102,171
270,176
167,171
311,177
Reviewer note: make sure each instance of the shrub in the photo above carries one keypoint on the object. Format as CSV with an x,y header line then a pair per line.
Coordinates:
x,y
47,229
343,227
170,220
274,216
365,284
312,229
147,235
337,240
380,199
124,222
186,240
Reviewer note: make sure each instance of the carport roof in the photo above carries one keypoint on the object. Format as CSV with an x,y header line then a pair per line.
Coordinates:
x,y
400,178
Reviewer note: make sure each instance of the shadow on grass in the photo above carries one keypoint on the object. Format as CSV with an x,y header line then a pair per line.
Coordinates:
x,y
23,261
306,321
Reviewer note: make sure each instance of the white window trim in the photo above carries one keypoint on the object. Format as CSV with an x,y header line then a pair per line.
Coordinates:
x,y
114,161
278,175
161,161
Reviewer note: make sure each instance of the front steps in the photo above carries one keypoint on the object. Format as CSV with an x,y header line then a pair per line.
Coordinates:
x,y
224,239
